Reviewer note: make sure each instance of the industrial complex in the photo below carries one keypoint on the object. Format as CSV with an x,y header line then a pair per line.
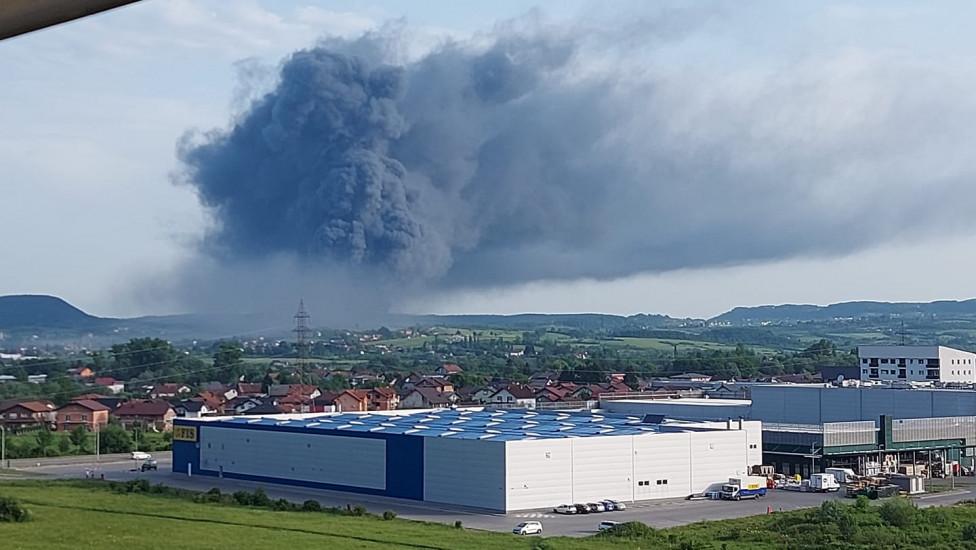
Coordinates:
x,y
500,460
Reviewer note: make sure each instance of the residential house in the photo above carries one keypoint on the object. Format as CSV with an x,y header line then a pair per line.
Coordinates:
x,y
541,379
225,392
383,399
409,382
36,378
20,414
241,405
4,378
728,391
440,384
248,389
214,400
193,408
692,377
155,414
83,412
110,402
514,395
428,398
167,391
304,390
448,369
352,401
110,384
81,372
267,407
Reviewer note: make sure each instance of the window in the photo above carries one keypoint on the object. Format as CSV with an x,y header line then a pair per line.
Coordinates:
x,y
662,482
885,361
864,361
752,446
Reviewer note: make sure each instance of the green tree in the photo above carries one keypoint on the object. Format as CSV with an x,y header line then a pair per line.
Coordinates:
x,y
140,354
79,438
228,361
114,439
64,445
44,439
898,512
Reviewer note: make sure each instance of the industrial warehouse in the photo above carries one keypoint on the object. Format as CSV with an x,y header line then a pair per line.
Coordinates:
x,y
501,460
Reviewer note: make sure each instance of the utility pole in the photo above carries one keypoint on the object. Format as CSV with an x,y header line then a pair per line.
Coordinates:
x,y
301,331
3,446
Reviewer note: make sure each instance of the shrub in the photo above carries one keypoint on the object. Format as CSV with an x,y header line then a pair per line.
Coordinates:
x,y
389,514
358,510
311,506
458,524
862,503
242,497
542,544
281,505
260,498
969,532
631,530
898,512
11,510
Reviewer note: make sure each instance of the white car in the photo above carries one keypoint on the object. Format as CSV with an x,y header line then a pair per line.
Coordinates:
x,y
604,525
617,505
528,528
139,455
564,509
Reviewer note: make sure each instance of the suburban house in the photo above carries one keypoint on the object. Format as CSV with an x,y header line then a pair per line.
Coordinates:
x,y
692,377
352,401
514,395
448,369
36,378
192,408
304,390
440,384
225,392
215,401
383,399
82,412
155,414
241,405
428,398
166,391
19,414
109,384
110,402
81,373
247,389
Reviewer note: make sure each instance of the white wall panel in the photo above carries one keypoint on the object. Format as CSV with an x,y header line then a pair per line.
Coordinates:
x,y
658,458
716,456
603,468
339,460
539,473
465,472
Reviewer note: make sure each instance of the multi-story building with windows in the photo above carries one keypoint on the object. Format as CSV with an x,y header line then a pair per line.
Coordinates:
x,y
916,364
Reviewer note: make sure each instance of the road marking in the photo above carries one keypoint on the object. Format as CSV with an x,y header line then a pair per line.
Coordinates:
x,y
534,515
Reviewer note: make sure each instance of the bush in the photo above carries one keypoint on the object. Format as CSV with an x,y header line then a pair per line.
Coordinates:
x,y
969,532
898,512
358,510
542,544
11,510
458,524
862,503
311,506
242,497
631,530
260,498
282,505
389,514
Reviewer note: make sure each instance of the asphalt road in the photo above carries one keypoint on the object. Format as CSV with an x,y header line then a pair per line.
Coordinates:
x,y
658,513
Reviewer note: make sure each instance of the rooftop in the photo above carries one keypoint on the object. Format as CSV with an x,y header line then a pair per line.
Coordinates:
x,y
691,401
504,425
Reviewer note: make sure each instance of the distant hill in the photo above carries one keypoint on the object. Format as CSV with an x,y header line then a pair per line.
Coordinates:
x,y
37,311
530,321
847,310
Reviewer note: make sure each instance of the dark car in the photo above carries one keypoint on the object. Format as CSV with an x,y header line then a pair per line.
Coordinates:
x,y
582,509
149,465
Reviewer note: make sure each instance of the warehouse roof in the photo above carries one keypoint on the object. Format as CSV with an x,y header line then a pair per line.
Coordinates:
x,y
499,425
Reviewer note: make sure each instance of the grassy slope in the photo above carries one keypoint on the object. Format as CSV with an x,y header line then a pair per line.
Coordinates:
x,y
77,517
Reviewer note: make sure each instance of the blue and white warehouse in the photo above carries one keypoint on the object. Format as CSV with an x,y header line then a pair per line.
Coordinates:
x,y
499,460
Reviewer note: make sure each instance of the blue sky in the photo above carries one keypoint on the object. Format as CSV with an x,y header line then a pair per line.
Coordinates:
x,y
91,113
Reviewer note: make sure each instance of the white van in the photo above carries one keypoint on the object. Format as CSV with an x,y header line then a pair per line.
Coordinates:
x,y
528,528
606,525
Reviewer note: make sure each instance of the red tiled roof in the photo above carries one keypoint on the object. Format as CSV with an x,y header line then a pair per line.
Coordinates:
x,y
149,407
33,406
451,368
105,381
88,404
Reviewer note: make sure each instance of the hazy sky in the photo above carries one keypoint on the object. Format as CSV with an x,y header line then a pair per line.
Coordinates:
x,y
876,96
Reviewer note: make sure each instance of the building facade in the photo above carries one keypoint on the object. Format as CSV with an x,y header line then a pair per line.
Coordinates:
x,y
916,364
497,460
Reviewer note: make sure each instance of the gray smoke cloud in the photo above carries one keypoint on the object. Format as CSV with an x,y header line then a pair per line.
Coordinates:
x,y
561,152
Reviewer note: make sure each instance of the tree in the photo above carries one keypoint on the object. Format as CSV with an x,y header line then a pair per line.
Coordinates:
x,y
898,512
64,445
228,361
44,440
139,354
79,438
114,439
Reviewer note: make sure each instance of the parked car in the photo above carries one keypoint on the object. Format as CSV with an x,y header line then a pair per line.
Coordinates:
x,y
617,505
596,507
609,505
139,455
528,528
581,509
564,509
604,525
149,465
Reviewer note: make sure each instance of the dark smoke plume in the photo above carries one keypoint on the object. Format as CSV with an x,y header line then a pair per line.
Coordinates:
x,y
557,153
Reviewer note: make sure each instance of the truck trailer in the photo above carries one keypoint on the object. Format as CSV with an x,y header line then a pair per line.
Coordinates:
x,y
744,487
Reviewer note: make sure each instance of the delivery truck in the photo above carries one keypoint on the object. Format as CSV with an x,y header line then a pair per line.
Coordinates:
x,y
823,483
743,487
842,475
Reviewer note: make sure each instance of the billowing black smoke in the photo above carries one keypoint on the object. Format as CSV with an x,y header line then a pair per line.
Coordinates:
x,y
549,154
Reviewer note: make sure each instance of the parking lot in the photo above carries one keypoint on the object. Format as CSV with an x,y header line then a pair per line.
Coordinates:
x,y
657,513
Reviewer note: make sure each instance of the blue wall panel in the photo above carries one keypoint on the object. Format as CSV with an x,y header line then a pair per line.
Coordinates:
x,y
404,460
